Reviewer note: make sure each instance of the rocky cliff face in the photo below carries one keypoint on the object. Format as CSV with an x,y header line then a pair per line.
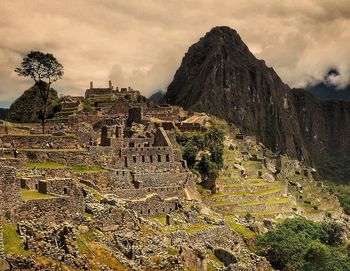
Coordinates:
x,y
219,75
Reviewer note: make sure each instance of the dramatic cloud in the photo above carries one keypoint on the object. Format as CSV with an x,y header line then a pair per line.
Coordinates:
x,y
141,43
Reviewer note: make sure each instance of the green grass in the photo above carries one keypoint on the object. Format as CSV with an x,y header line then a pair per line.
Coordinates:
x,y
197,227
27,194
88,215
45,165
82,241
246,184
262,213
173,251
13,244
190,229
222,203
215,259
274,201
87,169
263,192
161,218
240,229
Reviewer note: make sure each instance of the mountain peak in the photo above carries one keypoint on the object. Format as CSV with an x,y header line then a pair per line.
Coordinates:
x,y
220,36
220,76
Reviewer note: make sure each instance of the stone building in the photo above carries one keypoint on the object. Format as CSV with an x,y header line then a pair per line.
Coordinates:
x,y
110,92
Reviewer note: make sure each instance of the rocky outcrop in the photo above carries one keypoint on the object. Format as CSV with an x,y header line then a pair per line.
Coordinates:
x,y
26,108
219,75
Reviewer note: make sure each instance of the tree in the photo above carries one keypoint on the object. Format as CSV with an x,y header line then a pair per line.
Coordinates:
x,y
44,69
190,154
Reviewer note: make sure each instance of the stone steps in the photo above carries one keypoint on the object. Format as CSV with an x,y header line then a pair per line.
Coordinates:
x,y
236,173
246,187
230,180
267,206
262,195
269,214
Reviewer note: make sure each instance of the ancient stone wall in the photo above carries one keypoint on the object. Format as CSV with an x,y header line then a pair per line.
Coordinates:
x,y
10,196
190,127
12,162
63,186
157,179
161,157
165,192
90,118
167,113
58,209
153,205
69,158
135,114
39,142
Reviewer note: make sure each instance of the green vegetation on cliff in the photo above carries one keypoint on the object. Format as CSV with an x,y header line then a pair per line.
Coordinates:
x,y
342,191
210,146
301,244
28,106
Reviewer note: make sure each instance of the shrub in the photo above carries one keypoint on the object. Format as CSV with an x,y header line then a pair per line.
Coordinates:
x,y
189,154
300,244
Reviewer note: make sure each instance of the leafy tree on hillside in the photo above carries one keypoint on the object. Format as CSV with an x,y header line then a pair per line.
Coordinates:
x,y
189,154
300,244
44,69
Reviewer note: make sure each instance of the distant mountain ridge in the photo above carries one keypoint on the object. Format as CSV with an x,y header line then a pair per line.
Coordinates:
x,y
156,97
3,113
326,90
219,75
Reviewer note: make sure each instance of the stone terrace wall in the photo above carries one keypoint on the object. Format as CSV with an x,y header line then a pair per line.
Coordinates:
x,y
69,158
9,188
165,192
39,142
119,179
56,209
109,217
13,162
153,205
156,179
90,118
160,157
47,172
63,186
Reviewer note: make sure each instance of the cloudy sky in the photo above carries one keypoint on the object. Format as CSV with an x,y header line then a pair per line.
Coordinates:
x,y
141,43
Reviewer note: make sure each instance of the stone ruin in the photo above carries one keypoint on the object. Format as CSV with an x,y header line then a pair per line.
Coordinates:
x,y
109,92
114,169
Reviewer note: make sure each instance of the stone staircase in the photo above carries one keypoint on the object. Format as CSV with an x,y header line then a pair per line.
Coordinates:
x,y
241,187
313,199
246,185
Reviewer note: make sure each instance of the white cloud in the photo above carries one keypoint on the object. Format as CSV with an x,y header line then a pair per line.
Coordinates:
x,y
141,43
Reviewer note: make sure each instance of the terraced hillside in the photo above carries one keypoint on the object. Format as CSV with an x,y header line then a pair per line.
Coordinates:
x,y
254,180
